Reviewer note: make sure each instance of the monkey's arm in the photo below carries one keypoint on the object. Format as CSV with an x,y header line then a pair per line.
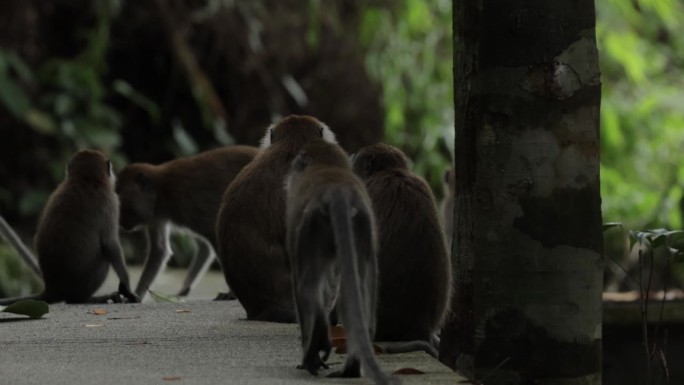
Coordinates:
x,y
111,250
158,253
13,239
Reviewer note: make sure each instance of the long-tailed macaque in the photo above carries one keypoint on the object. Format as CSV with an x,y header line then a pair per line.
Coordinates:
x,y
413,263
250,228
185,192
447,206
77,238
332,245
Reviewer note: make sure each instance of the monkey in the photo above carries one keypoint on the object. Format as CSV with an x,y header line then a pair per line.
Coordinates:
x,y
413,265
185,192
17,244
77,238
250,228
332,245
447,205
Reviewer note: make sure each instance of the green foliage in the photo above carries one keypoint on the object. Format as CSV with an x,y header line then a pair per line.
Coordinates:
x,y
15,277
642,53
410,53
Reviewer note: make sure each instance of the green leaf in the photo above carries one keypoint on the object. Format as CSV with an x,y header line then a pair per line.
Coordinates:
x,y
610,225
29,307
13,97
185,142
40,122
139,99
163,297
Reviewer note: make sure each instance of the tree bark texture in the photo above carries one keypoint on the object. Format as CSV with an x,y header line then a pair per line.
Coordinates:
x,y
527,233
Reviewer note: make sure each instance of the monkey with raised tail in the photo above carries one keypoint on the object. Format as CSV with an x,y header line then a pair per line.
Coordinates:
x,y
250,228
332,245
413,264
184,192
77,237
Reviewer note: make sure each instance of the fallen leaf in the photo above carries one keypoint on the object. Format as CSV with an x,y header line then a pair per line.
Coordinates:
x,y
29,307
163,297
100,312
171,378
183,311
93,325
340,345
115,318
408,371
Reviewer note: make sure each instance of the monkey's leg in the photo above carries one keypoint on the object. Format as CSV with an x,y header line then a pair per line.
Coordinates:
x,y
158,253
111,250
351,368
201,262
13,239
313,322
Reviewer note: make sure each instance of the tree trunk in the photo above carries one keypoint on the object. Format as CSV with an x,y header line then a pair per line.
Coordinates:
x,y
527,232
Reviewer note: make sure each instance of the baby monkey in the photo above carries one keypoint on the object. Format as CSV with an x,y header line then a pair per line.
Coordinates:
x,y
77,238
332,246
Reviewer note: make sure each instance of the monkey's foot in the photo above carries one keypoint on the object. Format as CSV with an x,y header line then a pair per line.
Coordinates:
x,y
126,292
312,365
345,374
229,296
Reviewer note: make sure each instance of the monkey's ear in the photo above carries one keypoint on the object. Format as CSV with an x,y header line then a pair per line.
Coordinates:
x,y
143,181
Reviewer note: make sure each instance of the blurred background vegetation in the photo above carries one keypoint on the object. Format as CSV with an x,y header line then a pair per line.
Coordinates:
x,y
150,81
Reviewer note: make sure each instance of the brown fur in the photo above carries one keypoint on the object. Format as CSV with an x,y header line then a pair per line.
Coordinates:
x,y
250,228
414,270
77,237
332,245
186,192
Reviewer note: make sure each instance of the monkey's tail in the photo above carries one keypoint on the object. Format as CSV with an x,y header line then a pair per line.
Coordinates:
x,y
11,237
354,317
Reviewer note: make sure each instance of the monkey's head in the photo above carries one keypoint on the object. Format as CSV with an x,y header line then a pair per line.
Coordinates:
x,y
378,157
321,153
297,128
137,194
317,153
90,165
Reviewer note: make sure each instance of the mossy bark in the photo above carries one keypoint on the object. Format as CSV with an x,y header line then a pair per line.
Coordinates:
x,y
527,232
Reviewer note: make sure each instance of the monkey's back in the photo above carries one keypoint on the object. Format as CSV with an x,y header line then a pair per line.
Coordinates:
x,y
68,240
191,188
250,231
413,264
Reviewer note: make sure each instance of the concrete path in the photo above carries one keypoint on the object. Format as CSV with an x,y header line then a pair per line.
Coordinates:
x,y
197,342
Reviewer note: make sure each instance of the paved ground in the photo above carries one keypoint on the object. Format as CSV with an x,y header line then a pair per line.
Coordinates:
x,y
197,342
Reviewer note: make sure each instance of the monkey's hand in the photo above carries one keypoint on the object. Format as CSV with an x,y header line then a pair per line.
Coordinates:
x,y
126,292
229,296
